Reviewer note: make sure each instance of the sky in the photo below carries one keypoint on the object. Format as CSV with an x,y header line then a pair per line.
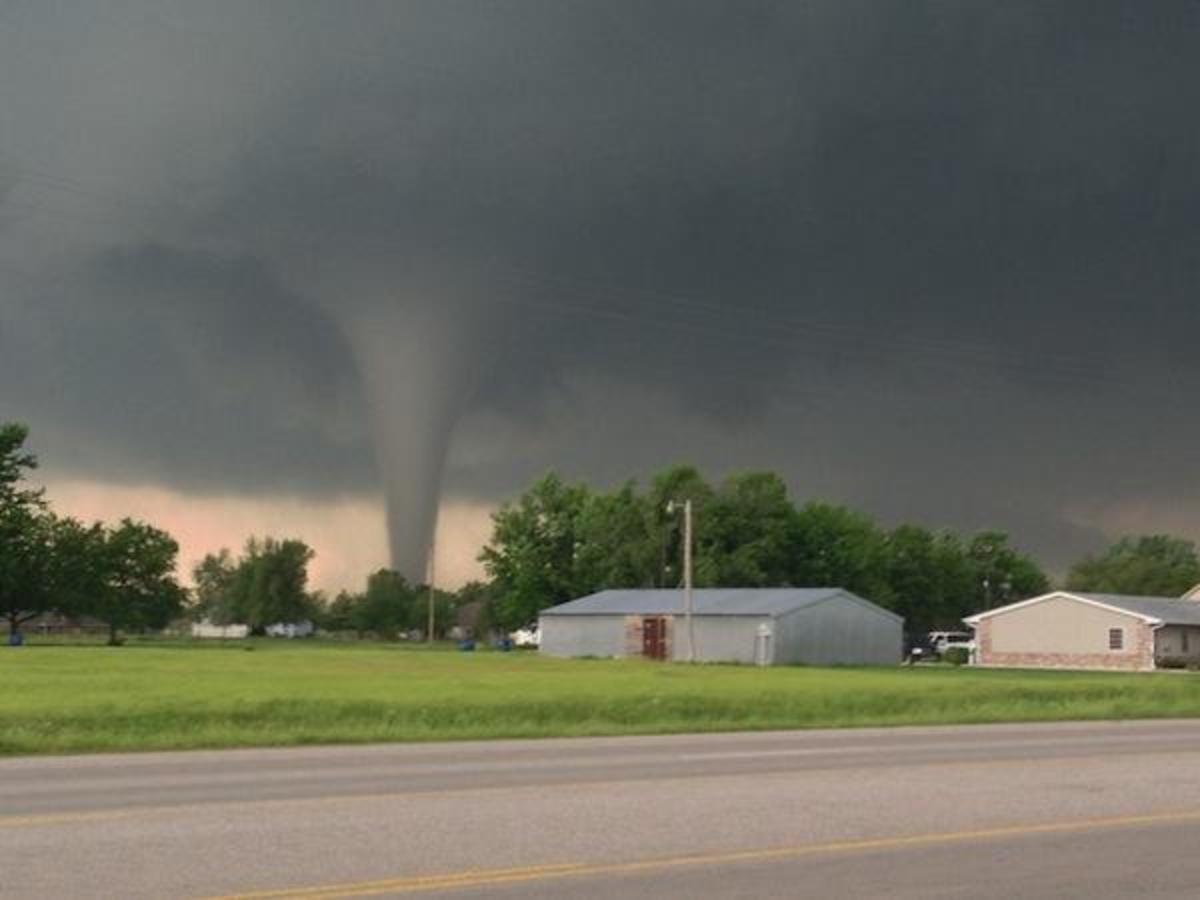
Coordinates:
x,y
319,270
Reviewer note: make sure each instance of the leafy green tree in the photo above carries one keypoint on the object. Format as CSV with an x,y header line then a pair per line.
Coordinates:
x,y
124,576
78,564
1153,565
745,539
532,552
214,578
134,579
618,546
835,546
999,573
928,577
342,614
15,465
677,485
445,609
479,597
28,559
27,534
388,606
270,583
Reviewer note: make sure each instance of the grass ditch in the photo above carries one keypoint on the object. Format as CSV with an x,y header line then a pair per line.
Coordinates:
x,y
83,699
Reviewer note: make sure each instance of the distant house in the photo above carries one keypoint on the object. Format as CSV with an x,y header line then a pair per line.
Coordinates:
x,y
300,629
1068,629
206,629
818,626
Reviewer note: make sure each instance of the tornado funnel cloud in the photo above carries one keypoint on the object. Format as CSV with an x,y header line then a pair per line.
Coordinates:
x,y
415,379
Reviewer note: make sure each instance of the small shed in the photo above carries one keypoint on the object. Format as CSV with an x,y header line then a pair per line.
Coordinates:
x,y
766,626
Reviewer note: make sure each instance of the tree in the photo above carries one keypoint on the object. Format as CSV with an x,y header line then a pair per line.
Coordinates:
x,y
343,613
618,544
928,576
746,536
270,583
532,553
474,604
26,560
27,533
834,546
15,464
445,610
134,583
677,485
214,578
388,607
1154,565
1000,574
49,563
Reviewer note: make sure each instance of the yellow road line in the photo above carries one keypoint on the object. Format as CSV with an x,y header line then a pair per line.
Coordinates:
x,y
64,818
497,877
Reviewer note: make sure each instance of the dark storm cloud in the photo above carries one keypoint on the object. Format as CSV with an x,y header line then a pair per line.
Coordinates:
x,y
187,368
936,259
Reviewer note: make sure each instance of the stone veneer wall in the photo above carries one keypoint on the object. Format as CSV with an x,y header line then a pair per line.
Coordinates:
x,y
1141,659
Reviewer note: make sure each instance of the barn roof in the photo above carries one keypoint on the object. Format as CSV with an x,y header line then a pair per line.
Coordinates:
x,y
706,602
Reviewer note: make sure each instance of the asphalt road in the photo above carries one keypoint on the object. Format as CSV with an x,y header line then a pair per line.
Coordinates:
x,y
1102,810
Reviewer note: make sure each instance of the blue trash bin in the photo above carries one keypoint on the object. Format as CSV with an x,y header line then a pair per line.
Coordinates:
x,y
466,646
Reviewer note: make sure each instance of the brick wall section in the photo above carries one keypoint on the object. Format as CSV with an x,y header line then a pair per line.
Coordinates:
x,y
1139,658
633,635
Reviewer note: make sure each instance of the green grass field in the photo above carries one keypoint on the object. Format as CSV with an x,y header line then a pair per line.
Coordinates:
x,y
89,698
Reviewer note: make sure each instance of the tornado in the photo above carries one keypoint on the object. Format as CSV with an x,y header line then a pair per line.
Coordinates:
x,y
417,360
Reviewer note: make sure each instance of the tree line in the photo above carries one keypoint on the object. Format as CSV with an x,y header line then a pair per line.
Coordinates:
x,y
555,542
268,584
558,541
123,576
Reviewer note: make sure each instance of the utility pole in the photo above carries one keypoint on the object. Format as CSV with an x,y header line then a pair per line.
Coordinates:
x,y
688,599
431,574
687,579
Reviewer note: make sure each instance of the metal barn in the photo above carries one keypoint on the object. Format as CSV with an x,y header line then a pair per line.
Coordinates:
x,y
764,626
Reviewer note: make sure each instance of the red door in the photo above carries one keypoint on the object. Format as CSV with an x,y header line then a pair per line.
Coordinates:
x,y
654,637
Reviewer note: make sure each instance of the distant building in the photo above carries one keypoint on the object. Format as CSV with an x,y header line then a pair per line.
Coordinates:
x,y
767,626
206,629
1072,630
300,629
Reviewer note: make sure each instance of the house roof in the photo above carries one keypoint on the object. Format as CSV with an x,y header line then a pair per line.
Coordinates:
x,y
1169,610
706,602
1155,610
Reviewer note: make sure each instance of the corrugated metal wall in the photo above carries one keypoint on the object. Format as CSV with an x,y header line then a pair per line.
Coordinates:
x,y
583,635
839,631
719,638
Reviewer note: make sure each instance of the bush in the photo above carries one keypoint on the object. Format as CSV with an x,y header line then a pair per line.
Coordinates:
x,y
956,656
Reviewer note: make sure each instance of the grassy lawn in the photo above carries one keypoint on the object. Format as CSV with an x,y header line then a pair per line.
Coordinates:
x,y
85,698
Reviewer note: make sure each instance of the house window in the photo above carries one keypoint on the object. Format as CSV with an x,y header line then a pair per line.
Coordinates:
x,y
1183,640
1116,639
